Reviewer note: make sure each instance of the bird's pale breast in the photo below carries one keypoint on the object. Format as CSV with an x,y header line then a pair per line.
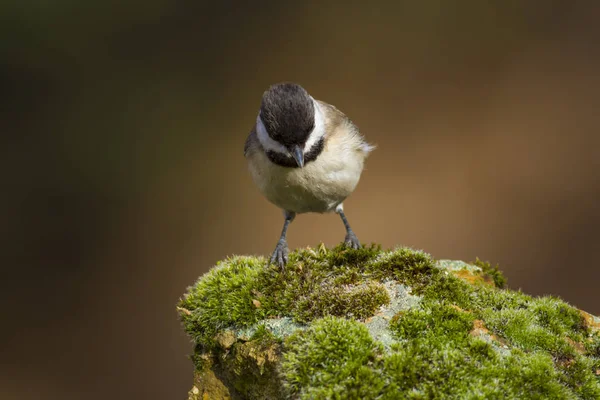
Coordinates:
x,y
318,187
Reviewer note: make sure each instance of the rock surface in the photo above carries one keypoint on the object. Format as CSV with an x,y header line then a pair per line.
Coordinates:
x,y
368,323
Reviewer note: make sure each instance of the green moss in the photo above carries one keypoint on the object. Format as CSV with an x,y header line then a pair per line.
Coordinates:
x,y
436,319
263,336
356,301
447,288
331,359
321,283
592,346
522,329
222,298
407,266
552,326
545,324
427,368
492,273
343,256
438,358
558,316
461,338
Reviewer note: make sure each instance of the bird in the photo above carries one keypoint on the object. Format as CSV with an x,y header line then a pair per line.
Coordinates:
x,y
305,156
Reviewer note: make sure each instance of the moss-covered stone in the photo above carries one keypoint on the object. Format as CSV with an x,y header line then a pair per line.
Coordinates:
x,y
358,324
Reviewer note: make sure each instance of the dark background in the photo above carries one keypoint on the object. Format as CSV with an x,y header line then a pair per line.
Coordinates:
x,y
123,178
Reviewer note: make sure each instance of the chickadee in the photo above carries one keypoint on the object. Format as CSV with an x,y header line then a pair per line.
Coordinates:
x,y
305,156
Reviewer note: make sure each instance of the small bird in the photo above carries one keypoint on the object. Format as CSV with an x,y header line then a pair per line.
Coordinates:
x,y
305,156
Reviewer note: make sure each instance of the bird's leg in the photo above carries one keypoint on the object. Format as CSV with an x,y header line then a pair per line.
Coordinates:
x,y
351,240
280,255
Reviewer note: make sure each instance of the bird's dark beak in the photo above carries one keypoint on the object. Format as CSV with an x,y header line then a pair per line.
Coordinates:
x,y
298,155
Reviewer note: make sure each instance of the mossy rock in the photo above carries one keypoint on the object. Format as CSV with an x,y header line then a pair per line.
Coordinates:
x,y
373,324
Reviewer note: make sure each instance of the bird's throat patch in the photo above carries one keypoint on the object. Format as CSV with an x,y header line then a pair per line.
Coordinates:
x,y
284,160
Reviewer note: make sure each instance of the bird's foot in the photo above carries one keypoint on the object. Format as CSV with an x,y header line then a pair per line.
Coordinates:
x,y
352,241
280,255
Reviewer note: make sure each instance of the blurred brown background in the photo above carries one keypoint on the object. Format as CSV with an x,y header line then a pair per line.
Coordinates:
x,y
123,178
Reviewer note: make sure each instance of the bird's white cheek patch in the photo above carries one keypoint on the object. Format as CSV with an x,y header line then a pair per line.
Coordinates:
x,y
266,141
318,131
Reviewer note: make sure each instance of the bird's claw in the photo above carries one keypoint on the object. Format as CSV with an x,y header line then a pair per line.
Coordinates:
x,y
280,255
352,241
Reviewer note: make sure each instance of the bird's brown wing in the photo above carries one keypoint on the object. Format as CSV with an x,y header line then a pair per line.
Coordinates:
x,y
337,118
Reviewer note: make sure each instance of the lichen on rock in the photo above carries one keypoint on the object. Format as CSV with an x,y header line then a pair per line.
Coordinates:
x,y
371,323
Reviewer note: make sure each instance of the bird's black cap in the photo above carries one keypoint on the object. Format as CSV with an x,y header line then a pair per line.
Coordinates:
x,y
288,113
